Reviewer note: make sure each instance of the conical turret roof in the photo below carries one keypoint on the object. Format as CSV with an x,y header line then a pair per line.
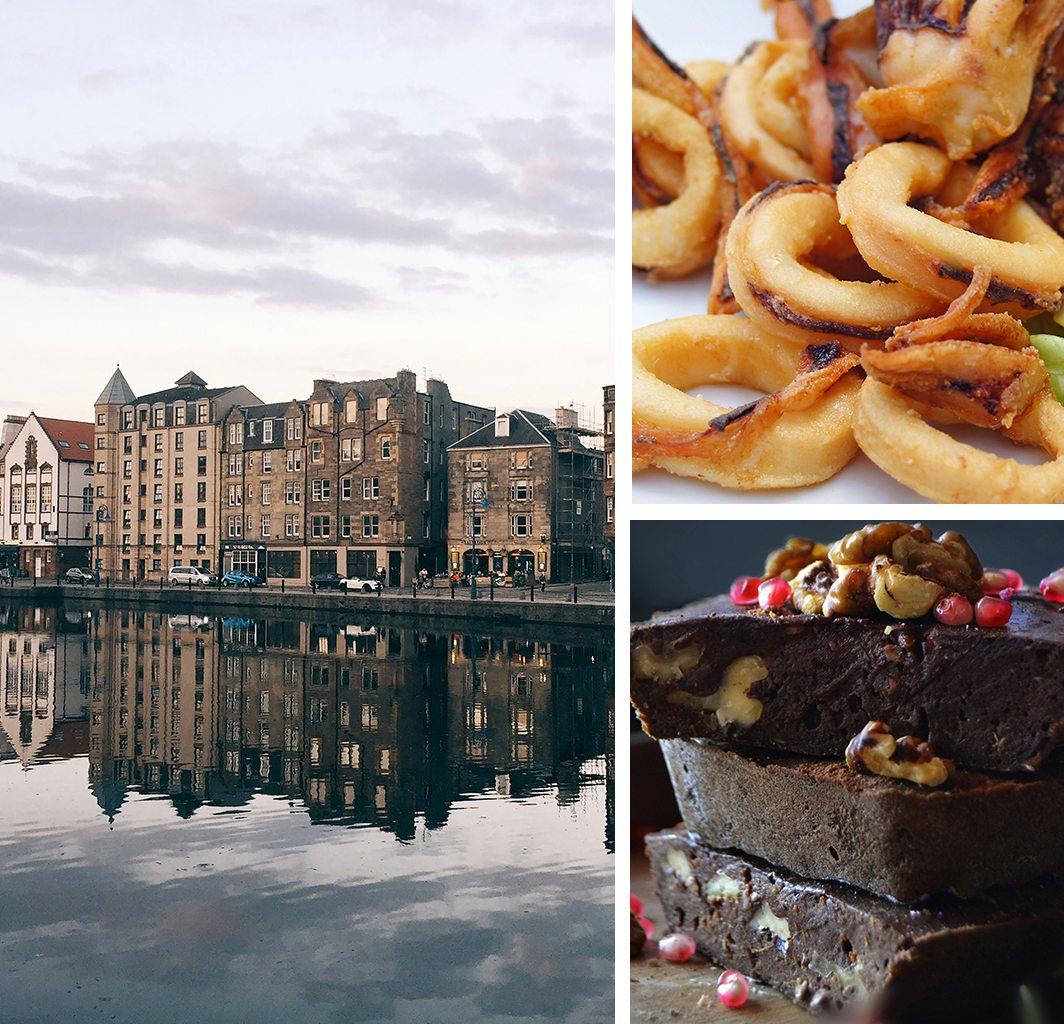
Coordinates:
x,y
117,391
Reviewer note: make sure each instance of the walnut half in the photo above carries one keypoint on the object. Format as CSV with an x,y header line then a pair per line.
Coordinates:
x,y
874,751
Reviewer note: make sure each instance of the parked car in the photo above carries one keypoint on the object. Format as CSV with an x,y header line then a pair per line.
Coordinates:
x,y
327,581
188,574
360,583
239,578
76,574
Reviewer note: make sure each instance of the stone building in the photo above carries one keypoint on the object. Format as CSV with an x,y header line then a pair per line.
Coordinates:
x,y
526,499
157,475
364,479
46,495
609,408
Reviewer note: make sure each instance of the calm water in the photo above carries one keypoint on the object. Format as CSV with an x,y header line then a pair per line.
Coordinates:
x,y
233,819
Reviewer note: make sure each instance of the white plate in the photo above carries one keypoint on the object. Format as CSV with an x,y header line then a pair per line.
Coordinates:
x,y
687,30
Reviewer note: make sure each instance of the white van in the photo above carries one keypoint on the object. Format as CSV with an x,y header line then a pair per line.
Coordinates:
x,y
189,574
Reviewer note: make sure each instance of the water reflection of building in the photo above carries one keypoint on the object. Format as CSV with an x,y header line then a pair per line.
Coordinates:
x,y
362,723
44,679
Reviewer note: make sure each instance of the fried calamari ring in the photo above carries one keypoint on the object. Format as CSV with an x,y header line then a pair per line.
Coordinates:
x,y
753,106
779,248
670,241
1024,255
958,73
803,446
892,434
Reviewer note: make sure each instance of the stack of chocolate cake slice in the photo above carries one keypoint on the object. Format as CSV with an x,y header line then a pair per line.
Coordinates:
x,y
849,890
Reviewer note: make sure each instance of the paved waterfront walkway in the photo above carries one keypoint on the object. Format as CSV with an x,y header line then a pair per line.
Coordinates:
x,y
595,592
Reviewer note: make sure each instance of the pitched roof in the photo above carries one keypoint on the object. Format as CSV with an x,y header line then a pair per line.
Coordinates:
x,y
72,438
526,429
117,391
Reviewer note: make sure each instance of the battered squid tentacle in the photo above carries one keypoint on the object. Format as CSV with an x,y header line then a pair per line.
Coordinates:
x,y
782,250
799,437
961,74
1024,255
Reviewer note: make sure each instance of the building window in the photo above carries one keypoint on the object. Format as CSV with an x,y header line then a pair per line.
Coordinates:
x,y
201,465
425,452
179,467
382,408
520,490
320,490
345,488
475,526
157,519
386,446
179,413
266,493
351,449
101,419
158,492
345,526
159,417
158,442
201,492
293,460
427,413
319,526
179,492
291,526
236,524
609,508
521,526
266,526
267,459
236,433
267,431
293,428
371,487
236,494
315,451
202,412
179,518
127,468
609,465
201,439
101,441
291,492
101,467
371,526
179,440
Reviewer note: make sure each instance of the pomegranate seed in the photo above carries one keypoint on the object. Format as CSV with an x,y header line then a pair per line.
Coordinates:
x,y
996,580
646,924
954,610
733,989
744,590
1052,587
773,593
678,947
636,904
992,611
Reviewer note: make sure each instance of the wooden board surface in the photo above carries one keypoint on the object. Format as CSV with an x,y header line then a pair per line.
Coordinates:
x,y
664,991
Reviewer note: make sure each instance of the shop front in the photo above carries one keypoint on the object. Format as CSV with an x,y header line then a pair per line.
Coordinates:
x,y
245,556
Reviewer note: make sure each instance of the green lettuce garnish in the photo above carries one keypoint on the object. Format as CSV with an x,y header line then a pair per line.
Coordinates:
x,y
1051,349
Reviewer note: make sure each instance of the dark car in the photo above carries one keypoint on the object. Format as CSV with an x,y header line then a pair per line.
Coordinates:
x,y
237,578
326,581
76,574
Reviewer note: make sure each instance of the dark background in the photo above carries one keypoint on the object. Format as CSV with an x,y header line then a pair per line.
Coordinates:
x,y
677,561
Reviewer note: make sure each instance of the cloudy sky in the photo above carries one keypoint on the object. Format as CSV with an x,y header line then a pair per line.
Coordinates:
x,y
274,191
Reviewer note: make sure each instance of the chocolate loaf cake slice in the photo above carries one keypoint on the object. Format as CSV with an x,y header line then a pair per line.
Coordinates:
x,y
985,697
830,947
820,819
